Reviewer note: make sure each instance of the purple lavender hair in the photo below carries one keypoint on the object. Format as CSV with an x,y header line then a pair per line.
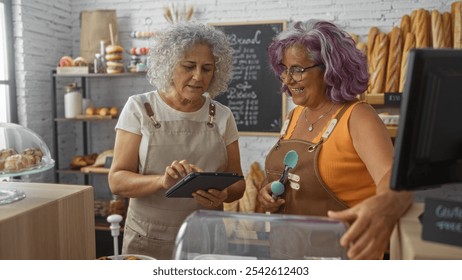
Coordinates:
x,y
345,66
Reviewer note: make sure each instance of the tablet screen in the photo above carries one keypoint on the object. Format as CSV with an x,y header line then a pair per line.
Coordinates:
x,y
202,181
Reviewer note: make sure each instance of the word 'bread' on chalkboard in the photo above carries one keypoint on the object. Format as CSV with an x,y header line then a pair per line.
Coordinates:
x,y
254,92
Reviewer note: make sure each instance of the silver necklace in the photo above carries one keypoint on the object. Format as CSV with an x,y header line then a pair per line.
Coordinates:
x,y
310,125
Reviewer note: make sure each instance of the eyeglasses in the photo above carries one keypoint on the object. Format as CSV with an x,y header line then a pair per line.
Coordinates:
x,y
295,72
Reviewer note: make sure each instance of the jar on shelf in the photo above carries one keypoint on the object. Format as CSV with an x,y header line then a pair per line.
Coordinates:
x,y
72,101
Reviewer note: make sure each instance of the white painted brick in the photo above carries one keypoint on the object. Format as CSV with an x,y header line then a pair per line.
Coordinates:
x,y
45,30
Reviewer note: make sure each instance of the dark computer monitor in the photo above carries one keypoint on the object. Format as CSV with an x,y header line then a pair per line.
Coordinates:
x,y
428,146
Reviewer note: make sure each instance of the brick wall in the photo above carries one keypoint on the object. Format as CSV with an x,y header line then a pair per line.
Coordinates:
x,y
46,30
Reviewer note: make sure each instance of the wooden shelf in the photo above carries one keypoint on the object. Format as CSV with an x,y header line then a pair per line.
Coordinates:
x,y
102,75
86,170
89,119
374,98
92,169
389,99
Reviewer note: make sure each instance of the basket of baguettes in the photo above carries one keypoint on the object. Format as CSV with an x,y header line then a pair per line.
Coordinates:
x,y
387,54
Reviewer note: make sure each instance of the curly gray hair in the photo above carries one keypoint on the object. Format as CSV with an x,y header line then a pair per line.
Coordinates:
x,y
170,46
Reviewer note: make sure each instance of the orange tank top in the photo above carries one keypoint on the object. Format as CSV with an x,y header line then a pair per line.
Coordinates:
x,y
339,164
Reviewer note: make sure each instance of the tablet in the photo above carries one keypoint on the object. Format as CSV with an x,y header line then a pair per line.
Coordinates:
x,y
202,181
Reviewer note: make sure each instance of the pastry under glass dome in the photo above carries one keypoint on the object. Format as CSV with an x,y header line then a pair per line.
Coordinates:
x,y
22,152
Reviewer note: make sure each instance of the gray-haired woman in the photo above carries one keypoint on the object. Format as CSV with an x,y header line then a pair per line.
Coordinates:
x,y
164,134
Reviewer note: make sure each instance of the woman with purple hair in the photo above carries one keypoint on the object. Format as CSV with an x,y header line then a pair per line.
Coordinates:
x,y
344,150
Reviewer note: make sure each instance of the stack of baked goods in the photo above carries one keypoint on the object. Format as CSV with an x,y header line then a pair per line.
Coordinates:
x,y
12,161
387,54
114,57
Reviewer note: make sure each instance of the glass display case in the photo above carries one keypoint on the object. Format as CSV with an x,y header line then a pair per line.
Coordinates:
x,y
22,152
217,235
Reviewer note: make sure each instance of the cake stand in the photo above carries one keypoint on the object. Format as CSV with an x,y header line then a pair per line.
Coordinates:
x,y
18,138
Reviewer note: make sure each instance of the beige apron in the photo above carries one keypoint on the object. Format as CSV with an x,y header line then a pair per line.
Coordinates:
x,y
305,192
153,222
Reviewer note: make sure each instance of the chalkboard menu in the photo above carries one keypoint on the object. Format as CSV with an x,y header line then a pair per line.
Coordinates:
x,y
254,93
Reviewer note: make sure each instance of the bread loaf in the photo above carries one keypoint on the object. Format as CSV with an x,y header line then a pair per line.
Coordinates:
x,y
248,202
373,31
379,63
4,153
18,162
405,25
414,22
437,30
429,28
34,155
422,33
457,24
362,47
447,29
256,173
409,43
395,51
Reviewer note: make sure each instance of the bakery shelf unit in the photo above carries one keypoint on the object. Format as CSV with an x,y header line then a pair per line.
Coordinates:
x,y
85,135
86,122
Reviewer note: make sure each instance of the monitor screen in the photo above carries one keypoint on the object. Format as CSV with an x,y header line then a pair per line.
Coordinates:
x,y
428,145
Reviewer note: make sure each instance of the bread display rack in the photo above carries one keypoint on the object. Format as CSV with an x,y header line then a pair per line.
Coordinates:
x,y
387,53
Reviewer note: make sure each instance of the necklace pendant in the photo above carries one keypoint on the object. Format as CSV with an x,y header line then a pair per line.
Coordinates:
x,y
310,128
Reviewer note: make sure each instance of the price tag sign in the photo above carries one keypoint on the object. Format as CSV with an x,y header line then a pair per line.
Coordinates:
x,y
108,162
442,221
392,99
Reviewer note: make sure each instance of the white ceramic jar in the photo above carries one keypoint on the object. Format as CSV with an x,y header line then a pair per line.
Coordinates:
x,y
72,101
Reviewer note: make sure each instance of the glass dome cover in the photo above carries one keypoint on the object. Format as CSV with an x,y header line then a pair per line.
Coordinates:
x,y
22,151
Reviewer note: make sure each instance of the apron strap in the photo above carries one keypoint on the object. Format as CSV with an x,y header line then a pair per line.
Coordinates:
x,y
286,124
334,121
212,111
149,111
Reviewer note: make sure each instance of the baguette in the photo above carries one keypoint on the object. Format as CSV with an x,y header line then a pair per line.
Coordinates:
x,y
373,31
447,29
405,25
422,34
437,30
429,28
380,57
414,22
409,43
456,23
394,60
362,47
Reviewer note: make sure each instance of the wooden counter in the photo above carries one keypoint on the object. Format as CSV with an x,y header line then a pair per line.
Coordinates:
x,y
406,241
54,221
